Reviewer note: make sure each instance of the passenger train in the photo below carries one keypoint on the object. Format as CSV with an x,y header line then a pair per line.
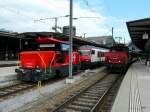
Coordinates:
x,y
91,56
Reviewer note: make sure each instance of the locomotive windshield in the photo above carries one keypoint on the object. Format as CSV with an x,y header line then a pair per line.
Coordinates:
x,y
64,47
84,52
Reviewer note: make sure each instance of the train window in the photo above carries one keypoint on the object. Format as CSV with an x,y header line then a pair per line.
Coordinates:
x,y
93,52
64,47
84,52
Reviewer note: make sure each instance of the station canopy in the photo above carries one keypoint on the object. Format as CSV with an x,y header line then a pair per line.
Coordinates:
x,y
139,31
76,40
7,34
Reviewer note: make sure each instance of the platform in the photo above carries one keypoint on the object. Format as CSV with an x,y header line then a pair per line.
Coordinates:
x,y
134,93
8,63
7,75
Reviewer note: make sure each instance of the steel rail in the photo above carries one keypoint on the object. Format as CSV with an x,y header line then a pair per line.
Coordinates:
x,y
99,104
100,88
12,90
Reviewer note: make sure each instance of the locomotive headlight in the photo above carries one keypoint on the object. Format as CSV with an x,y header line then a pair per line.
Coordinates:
x,y
37,66
37,71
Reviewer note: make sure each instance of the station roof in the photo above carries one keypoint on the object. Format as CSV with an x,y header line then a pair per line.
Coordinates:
x,y
76,40
136,30
8,34
50,39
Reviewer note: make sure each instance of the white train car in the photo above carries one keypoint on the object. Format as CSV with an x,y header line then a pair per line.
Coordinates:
x,y
91,56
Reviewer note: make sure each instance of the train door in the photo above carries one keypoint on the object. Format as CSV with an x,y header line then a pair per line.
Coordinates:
x,y
94,56
62,60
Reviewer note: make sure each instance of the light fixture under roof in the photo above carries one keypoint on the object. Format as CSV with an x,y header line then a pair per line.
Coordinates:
x,y
145,36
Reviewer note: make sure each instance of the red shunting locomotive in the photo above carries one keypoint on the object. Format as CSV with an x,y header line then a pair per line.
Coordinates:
x,y
117,57
50,60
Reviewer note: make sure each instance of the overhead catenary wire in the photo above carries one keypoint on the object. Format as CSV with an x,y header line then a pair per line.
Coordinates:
x,y
88,6
52,18
91,9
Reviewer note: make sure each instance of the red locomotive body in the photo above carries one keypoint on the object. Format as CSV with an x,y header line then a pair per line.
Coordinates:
x,y
52,60
117,57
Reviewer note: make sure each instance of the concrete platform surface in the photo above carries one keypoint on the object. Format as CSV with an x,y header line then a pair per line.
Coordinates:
x,y
8,63
7,74
134,93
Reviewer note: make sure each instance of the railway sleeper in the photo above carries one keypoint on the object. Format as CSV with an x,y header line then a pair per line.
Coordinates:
x,y
99,88
87,100
10,90
76,107
89,97
3,92
18,88
102,85
24,86
96,90
69,110
107,107
91,94
83,103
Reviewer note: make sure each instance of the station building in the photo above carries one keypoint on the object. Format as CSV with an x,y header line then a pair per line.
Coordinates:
x,y
11,43
103,40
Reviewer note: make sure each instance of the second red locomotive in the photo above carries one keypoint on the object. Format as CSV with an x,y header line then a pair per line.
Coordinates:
x,y
117,57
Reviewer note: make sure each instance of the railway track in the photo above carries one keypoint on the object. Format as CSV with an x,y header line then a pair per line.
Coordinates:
x,y
13,89
107,101
18,88
89,99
